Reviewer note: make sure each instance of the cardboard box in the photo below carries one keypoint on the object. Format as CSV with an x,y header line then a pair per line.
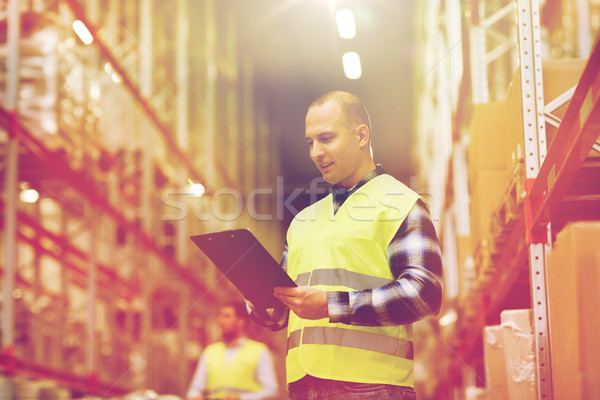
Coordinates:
x,y
517,333
484,264
558,76
487,189
495,364
564,320
573,279
487,142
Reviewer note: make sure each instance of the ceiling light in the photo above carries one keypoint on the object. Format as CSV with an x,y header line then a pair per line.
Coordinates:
x,y
345,23
29,196
449,318
95,91
351,62
82,31
197,189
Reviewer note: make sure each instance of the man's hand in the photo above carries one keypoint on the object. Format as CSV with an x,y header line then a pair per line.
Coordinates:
x,y
307,302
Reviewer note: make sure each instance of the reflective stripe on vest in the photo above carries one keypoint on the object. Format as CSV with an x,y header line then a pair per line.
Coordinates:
x,y
341,277
348,252
352,338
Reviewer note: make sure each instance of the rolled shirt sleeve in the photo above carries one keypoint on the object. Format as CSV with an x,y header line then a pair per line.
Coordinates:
x,y
415,260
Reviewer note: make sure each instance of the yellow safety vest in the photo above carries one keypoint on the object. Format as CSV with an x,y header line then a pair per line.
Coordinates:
x,y
348,252
237,376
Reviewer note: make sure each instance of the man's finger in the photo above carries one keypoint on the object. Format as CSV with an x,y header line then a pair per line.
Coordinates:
x,y
284,299
288,292
283,289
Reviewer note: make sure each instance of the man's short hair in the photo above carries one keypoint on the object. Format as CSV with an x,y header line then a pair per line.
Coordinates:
x,y
240,309
352,107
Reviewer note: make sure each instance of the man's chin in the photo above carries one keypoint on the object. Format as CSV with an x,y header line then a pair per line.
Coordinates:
x,y
329,179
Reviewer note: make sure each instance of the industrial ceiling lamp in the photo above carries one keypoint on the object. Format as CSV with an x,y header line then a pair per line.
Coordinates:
x,y
345,23
82,31
351,61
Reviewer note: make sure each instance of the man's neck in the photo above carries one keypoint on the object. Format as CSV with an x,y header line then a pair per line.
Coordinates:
x,y
232,342
360,175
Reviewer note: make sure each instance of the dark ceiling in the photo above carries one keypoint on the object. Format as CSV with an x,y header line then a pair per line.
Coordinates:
x,y
297,54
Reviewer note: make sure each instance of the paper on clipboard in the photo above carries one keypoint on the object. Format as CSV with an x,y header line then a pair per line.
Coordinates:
x,y
246,263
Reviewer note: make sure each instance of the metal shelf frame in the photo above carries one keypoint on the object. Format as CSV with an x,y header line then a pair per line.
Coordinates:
x,y
11,177
534,128
549,173
52,245
576,136
79,182
12,365
136,74
481,58
151,102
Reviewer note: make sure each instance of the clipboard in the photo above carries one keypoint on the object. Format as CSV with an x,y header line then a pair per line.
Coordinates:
x,y
246,263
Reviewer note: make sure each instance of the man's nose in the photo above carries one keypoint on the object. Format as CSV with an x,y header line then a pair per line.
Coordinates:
x,y
316,151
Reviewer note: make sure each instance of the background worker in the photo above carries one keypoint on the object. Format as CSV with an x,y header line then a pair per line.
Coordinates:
x,y
236,367
367,262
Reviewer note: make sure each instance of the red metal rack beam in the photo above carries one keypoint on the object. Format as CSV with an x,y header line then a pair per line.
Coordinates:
x,y
81,183
25,283
65,249
491,297
72,267
572,144
79,12
11,365
511,263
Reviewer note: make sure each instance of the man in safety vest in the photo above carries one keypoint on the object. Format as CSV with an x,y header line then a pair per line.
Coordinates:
x,y
237,367
367,262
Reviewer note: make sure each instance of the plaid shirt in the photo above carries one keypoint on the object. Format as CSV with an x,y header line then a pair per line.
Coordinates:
x,y
415,261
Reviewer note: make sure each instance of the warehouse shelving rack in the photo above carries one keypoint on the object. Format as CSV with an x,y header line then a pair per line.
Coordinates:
x,y
551,184
546,189
125,58
46,243
160,94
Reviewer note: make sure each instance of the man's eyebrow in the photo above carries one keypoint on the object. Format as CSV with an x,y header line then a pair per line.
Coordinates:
x,y
328,133
319,135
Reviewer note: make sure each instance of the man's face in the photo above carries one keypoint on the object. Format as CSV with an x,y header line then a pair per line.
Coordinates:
x,y
333,145
231,325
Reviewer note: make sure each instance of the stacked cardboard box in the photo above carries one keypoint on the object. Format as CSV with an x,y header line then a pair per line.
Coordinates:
x,y
558,77
496,147
573,275
487,159
496,138
495,364
517,335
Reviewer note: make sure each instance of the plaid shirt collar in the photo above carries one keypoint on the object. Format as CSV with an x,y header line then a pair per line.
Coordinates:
x,y
340,194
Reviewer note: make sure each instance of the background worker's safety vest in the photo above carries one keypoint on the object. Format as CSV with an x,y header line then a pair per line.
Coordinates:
x,y
348,252
237,376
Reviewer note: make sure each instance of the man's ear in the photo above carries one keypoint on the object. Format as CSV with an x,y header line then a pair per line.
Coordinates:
x,y
364,135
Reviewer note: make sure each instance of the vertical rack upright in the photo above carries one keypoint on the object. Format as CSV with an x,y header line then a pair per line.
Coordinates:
x,y
532,97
